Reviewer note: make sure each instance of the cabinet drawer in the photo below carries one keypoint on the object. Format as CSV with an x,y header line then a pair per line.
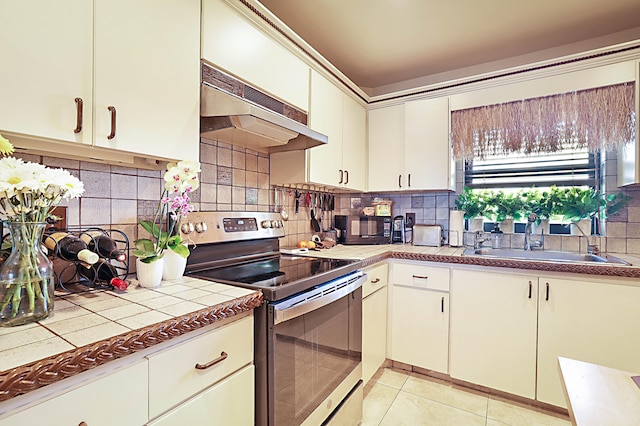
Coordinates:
x,y
230,402
119,398
173,376
376,278
431,277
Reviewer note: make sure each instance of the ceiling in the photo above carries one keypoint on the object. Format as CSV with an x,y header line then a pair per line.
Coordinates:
x,y
385,46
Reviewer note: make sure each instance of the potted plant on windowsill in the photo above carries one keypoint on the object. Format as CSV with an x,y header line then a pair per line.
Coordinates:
x,y
507,209
543,204
474,204
579,206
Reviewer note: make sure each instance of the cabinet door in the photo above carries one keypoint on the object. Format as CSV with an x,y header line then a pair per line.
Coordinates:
x,y
47,50
420,327
386,148
147,64
374,332
354,143
493,331
427,153
325,116
119,398
230,402
587,321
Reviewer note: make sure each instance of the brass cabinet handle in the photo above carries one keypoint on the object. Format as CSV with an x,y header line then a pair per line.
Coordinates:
x,y
346,181
375,281
78,128
341,176
222,357
422,277
112,109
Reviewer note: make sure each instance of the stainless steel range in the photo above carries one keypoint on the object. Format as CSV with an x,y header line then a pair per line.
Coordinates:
x,y
308,333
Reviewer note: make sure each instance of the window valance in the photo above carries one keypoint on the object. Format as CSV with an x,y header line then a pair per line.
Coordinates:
x,y
602,118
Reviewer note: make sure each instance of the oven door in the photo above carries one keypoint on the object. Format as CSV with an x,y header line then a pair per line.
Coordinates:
x,y
316,347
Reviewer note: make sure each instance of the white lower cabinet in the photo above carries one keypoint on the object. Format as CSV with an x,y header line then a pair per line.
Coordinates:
x,y
119,398
493,330
225,403
374,320
589,321
180,373
419,323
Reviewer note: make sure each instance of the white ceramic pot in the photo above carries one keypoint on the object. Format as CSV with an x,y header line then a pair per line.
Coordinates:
x,y
507,226
174,265
149,274
476,224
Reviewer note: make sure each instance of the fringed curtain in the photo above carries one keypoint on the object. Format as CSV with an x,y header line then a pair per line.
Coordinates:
x,y
600,119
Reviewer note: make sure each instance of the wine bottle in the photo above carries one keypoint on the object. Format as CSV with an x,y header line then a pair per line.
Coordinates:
x,y
103,244
102,271
69,247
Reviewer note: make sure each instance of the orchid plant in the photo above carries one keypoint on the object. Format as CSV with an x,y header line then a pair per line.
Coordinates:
x,y
180,179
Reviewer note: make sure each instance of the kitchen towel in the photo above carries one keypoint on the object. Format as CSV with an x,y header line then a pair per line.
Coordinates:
x,y
456,228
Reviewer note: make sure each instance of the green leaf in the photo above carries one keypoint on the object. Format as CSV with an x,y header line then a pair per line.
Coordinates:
x,y
181,249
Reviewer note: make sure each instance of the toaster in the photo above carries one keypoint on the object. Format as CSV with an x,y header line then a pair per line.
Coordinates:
x,y
427,235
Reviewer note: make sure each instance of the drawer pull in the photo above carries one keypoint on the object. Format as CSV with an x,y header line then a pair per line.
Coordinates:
x,y
547,296
78,128
112,110
375,281
442,304
530,288
422,277
222,357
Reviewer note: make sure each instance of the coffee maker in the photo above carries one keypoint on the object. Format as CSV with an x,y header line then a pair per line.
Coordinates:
x,y
397,232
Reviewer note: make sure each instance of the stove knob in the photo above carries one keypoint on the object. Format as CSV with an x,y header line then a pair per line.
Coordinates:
x,y
186,228
266,224
201,227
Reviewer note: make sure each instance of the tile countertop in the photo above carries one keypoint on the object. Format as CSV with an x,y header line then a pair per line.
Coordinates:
x,y
370,254
126,321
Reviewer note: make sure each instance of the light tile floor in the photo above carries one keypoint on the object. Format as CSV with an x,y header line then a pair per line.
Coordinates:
x,y
396,397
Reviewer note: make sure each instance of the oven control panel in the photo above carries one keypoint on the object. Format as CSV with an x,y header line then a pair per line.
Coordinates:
x,y
215,227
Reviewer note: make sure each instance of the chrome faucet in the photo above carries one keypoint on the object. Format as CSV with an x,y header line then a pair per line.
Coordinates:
x,y
479,239
529,243
591,248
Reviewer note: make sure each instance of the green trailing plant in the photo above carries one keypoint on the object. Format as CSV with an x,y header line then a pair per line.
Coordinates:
x,y
615,202
473,202
543,204
507,205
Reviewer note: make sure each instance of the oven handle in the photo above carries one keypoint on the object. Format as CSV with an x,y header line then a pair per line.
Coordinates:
x,y
314,299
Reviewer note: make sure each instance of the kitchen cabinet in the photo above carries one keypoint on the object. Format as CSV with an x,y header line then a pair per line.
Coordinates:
x,y
221,402
493,330
138,83
341,162
235,45
587,321
175,379
629,154
412,141
374,319
419,323
118,398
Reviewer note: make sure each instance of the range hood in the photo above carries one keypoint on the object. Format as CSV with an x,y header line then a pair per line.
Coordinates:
x,y
231,119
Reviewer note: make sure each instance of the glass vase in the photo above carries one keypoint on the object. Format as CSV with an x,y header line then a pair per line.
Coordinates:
x,y
26,277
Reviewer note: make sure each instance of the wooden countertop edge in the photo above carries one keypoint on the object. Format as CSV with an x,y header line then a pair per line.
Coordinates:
x,y
28,377
546,266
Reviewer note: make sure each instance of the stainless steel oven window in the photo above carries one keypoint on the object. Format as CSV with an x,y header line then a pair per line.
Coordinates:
x,y
315,352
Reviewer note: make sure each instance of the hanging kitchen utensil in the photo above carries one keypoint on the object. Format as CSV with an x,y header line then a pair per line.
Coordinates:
x,y
314,222
285,199
296,195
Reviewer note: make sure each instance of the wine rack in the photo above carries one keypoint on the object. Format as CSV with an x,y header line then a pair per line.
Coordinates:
x,y
67,277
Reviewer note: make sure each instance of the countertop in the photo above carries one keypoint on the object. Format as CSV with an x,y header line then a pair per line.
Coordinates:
x,y
92,328
598,395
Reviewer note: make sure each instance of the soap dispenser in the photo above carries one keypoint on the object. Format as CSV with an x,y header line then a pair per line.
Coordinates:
x,y
496,236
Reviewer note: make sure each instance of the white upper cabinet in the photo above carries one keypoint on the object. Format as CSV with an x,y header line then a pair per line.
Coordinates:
x,y
147,67
340,163
140,58
234,45
46,64
409,147
386,148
